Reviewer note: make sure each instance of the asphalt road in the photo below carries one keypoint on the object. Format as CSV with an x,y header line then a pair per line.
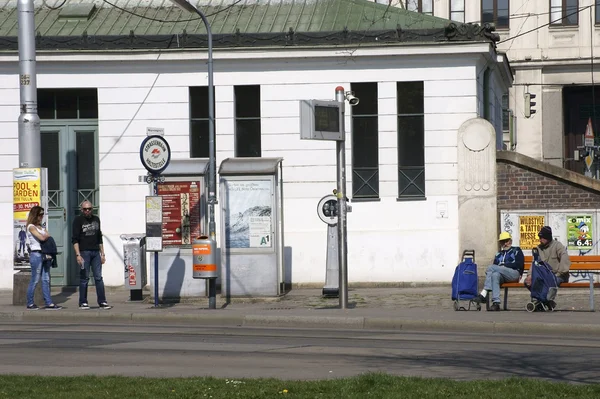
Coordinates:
x,y
184,351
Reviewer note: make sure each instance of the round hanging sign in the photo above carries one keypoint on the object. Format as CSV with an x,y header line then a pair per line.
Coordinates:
x,y
155,154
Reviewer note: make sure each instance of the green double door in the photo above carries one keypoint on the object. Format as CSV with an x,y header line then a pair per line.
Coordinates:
x,y
70,152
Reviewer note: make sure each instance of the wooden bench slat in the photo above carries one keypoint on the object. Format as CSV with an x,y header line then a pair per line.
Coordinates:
x,y
563,285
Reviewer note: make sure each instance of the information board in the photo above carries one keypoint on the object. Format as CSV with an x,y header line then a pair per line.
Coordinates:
x,y
181,212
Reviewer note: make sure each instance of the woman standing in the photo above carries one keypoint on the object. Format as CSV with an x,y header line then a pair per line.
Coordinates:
x,y
39,265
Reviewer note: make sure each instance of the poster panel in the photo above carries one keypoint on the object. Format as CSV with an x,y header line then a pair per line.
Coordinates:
x,y
529,227
181,213
27,193
579,232
248,221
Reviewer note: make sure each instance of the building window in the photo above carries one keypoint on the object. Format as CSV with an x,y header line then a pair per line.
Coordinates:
x,y
411,140
597,12
365,142
67,103
505,113
495,11
564,12
457,10
199,144
422,6
247,121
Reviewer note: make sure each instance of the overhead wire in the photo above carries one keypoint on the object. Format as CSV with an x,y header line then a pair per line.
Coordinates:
x,y
54,7
171,21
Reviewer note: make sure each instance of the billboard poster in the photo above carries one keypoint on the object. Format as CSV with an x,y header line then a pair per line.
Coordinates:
x,y
579,232
529,227
27,193
181,212
248,221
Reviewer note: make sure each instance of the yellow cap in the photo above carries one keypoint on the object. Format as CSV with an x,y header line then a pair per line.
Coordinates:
x,y
505,235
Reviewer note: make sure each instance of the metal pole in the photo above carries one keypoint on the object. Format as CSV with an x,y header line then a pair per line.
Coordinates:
x,y
212,192
340,146
155,193
30,155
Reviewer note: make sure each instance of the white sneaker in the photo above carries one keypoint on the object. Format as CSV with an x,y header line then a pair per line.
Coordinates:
x,y
84,306
105,306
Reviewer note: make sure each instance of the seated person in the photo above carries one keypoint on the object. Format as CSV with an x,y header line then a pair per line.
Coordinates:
x,y
554,254
508,267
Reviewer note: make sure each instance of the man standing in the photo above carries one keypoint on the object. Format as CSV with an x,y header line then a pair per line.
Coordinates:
x,y
87,242
508,267
22,238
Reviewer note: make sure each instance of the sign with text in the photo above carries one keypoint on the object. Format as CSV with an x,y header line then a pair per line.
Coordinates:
x,y
154,241
588,138
529,227
579,232
248,221
28,191
181,213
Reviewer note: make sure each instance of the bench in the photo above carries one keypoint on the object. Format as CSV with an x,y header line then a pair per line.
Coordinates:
x,y
588,264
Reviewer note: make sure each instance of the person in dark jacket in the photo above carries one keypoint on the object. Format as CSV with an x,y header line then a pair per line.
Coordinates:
x,y
508,267
89,249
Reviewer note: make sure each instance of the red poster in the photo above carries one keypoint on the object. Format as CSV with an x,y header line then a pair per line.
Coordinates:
x,y
181,212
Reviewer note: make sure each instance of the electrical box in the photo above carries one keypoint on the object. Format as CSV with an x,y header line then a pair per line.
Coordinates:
x,y
321,120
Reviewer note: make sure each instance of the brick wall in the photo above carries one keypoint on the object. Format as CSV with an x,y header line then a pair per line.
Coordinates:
x,y
523,188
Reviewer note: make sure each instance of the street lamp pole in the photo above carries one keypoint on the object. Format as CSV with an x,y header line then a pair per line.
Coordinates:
x,y
212,197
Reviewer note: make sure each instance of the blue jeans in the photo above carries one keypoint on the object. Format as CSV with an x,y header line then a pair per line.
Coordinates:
x,y
495,276
39,268
91,259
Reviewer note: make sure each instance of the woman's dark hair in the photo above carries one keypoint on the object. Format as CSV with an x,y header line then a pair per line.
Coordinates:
x,y
34,215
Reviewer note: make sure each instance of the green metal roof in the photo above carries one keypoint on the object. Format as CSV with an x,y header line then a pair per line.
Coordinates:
x,y
160,17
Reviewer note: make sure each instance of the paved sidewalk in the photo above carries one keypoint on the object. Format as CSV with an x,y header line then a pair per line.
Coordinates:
x,y
419,308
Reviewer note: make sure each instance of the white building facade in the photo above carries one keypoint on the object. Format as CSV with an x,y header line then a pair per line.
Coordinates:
x,y
553,46
401,142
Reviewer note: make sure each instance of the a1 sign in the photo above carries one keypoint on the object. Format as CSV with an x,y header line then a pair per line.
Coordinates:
x,y
155,154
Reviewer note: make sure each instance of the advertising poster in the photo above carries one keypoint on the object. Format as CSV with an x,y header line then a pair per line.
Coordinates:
x,y
180,212
579,232
27,193
248,222
529,227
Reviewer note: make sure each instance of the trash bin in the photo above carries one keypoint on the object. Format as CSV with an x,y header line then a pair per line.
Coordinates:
x,y
134,260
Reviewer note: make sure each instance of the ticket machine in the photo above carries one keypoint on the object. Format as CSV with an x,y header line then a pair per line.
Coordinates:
x,y
184,199
251,203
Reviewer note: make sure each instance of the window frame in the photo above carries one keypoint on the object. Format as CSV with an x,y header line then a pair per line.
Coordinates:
x,y
420,7
459,11
564,12
415,171
495,14
199,119
360,179
238,120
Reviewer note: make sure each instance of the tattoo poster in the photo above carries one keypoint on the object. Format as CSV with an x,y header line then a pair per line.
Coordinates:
x,y
181,212
248,222
529,227
579,232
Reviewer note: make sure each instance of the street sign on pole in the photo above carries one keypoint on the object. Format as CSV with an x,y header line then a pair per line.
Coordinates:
x,y
588,140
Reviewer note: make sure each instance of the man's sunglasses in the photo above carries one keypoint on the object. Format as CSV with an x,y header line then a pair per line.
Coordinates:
x,y
87,209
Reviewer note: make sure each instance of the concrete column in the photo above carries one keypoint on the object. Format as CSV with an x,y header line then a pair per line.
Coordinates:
x,y
552,126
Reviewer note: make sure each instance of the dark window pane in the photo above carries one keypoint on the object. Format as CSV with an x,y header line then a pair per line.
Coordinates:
x,y
85,151
598,11
367,94
247,138
247,101
365,142
411,182
50,158
66,104
199,102
45,104
411,141
410,97
365,182
199,139
88,104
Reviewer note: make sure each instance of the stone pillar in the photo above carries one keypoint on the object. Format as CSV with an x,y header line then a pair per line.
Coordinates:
x,y
477,209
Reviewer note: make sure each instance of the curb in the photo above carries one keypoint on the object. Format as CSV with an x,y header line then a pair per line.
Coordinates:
x,y
327,322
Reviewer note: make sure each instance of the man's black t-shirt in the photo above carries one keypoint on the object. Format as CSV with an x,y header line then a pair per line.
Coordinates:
x,y
87,233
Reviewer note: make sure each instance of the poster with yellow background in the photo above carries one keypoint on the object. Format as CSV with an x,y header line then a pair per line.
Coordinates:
x,y
529,227
27,193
